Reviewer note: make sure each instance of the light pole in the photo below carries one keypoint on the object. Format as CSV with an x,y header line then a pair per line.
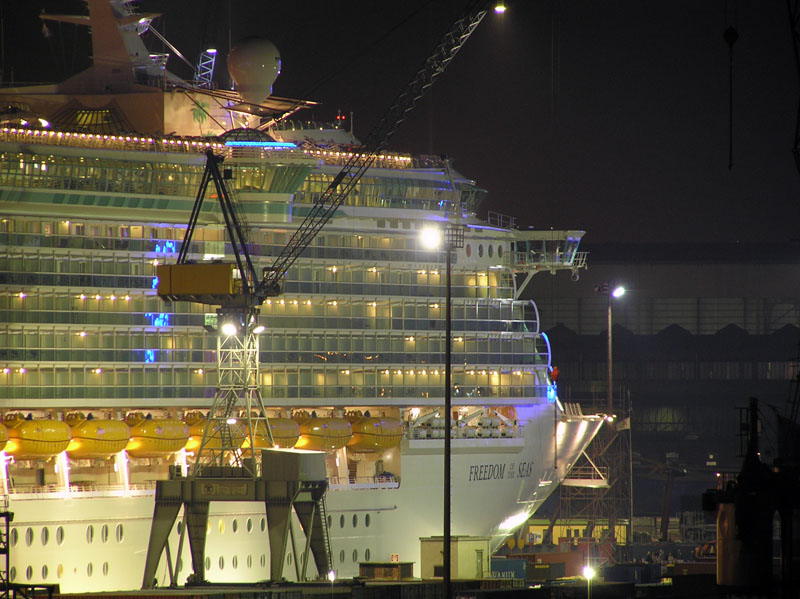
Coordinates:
x,y
453,239
617,292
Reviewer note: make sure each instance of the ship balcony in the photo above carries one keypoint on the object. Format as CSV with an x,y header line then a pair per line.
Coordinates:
x,y
548,250
341,483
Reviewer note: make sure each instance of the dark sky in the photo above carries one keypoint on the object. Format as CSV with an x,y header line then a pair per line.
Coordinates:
x,y
606,115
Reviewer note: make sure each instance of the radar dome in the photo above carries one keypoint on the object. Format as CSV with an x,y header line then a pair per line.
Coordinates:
x,y
254,64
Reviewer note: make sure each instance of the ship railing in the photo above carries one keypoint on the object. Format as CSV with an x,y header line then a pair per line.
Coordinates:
x,y
580,260
384,481
77,488
551,259
502,221
433,433
120,141
339,156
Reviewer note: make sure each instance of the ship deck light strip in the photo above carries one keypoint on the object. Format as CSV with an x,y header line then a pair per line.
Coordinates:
x,y
261,144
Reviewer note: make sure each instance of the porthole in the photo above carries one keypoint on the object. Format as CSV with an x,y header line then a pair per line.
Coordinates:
x,y
208,563
499,251
235,525
366,520
59,535
60,570
221,526
29,572
289,559
263,524
235,562
263,560
89,534
105,568
45,535
29,536
249,525
89,569
179,527
249,561
44,572
341,521
355,555
480,250
120,533
330,521
221,562
491,250
341,556
468,250
366,554
104,533
12,574
355,520
14,536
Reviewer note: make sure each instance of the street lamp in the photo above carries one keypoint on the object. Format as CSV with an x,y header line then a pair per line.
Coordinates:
x,y
615,293
588,574
453,238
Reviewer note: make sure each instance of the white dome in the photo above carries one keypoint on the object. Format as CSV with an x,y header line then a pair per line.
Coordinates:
x,y
254,64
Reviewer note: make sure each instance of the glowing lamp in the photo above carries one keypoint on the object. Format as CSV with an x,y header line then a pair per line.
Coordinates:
x,y
431,238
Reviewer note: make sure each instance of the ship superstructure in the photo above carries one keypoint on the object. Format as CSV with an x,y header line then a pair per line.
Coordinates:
x,y
106,388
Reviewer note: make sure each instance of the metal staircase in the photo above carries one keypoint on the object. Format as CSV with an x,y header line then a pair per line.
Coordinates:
x,y
323,514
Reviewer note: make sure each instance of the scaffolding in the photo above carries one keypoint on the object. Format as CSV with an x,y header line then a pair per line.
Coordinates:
x,y
609,504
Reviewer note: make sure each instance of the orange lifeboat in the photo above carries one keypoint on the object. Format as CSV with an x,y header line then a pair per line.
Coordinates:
x,y
96,439
285,433
155,437
30,439
373,434
322,434
3,437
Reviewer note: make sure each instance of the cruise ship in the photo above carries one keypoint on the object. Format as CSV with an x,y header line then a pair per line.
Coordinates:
x,y
107,387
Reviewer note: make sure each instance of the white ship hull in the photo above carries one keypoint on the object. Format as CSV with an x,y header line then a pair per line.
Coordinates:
x,y
88,213
97,540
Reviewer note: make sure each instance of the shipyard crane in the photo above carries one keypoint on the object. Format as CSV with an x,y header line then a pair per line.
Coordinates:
x,y
238,289
237,415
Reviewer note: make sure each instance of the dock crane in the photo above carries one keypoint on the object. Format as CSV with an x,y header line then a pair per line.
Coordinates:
x,y
237,413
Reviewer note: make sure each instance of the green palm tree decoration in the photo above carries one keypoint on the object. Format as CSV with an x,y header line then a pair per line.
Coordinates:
x,y
199,114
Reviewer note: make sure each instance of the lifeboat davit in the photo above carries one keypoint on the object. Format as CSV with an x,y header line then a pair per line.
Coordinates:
x,y
155,437
285,433
96,439
30,439
374,433
322,434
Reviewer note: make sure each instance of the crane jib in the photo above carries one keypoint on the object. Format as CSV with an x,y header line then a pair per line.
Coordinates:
x,y
253,294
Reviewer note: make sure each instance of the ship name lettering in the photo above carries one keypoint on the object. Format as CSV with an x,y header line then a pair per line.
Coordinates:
x,y
487,472
525,469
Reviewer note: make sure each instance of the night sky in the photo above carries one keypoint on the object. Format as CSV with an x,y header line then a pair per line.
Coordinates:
x,y
604,115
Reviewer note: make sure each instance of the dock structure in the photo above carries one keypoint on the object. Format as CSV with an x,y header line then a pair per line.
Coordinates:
x,y
291,481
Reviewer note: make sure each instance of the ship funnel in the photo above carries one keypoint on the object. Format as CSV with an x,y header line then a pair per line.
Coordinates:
x,y
254,64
